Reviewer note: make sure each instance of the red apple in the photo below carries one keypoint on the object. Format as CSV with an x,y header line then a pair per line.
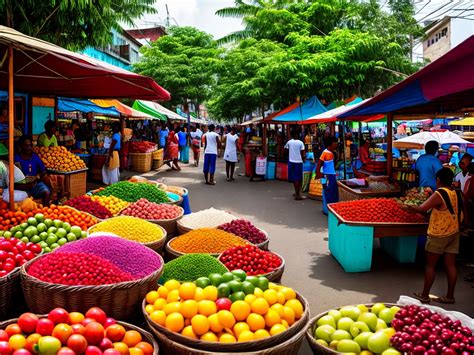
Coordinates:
x,y
77,343
97,314
108,322
27,322
223,304
5,348
78,329
45,327
93,350
106,344
59,315
3,335
112,352
65,351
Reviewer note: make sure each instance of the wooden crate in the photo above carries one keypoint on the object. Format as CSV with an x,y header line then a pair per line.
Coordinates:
x,y
347,193
140,162
75,184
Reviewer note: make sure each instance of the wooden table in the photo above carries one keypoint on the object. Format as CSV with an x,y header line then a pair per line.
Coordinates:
x,y
351,243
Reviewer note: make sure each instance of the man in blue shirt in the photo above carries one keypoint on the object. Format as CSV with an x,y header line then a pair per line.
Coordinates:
x,y
31,165
428,165
163,135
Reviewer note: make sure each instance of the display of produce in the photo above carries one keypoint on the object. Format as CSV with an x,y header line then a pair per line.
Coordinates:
x,y
69,333
416,196
47,233
86,204
130,228
59,159
141,147
150,210
251,259
421,331
176,190
245,229
9,219
77,269
206,240
112,203
383,210
66,214
131,257
14,253
132,192
210,218
190,267
354,329
226,308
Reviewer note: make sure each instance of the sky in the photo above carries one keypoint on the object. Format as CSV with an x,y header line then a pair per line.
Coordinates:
x,y
196,13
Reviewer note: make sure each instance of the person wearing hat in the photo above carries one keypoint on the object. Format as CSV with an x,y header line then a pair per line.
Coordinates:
x,y
48,137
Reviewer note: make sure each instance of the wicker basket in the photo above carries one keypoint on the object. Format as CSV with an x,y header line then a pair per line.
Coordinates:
x,y
198,346
145,335
157,154
156,164
168,224
9,290
140,162
119,300
315,346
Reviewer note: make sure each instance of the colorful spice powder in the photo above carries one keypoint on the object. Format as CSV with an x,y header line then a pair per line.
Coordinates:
x,y
209,218
131,192
206,240
132,257
130,228
190,267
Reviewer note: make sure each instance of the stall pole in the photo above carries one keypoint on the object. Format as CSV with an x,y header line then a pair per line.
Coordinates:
x,y
389,143
11,130
341,128
264,140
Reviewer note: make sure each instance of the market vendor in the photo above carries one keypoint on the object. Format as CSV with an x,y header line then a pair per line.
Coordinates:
x,y
428,165
326,167
364,154
462,177
31,165
48,137
111,168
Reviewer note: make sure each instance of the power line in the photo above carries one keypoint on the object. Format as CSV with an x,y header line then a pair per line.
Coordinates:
x,y
416,13
440,8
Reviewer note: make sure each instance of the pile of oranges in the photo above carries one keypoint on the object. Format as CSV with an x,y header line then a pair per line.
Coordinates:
x,y
9,219
66,214
59,159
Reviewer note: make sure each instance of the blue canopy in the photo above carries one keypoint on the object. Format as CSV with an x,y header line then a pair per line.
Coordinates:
x,y
85,106
302,112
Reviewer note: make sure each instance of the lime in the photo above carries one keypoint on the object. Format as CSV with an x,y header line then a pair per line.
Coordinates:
x,y
54,246
30,231
67,226
25,239
71,237
35,239
43,235
15,229
62,241
52,229
237,296
228,276
235,286
83,235
57,223
216,279
248,287
39,217
76,230
18,235
47,250
253,280
263,283
32,221
48,222
7,234
202,282
41,227
223,290
24,225
240,274
61,233
43,244
51,239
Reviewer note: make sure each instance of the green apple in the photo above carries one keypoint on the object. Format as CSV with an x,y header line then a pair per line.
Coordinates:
x,y
391,351
335,314
340,335
322,342
345,323
370,319
324,332
333,344
362,339
380,325
348,346
386,315
376,308
358,327
363,308
327,320
378,342
351,312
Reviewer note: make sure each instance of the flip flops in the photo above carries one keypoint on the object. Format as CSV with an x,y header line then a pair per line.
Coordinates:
x,y
420,297
444,300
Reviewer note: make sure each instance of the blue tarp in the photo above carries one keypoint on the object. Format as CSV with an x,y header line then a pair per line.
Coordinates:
x,y
85,106
306,110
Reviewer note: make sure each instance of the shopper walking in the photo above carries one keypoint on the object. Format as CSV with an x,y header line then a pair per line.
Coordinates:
x,y
111,169
326,167
296,154
196,136
230,153
164,132
183,144
428,165
172,148
212,145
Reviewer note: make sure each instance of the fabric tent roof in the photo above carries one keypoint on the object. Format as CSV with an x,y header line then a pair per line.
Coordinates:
x,y
255,120
445,85
123,109
85,106
140,105
281,112
161,112
302,112
42,68
468,121
418,141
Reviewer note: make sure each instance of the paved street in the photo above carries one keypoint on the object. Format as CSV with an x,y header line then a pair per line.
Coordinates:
x,y
298,231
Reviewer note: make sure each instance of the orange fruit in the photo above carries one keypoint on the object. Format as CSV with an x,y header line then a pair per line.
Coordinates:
x,y
174,322
226,319
187,290
255,322
189,308
278,308
135,351
160,303
147,348
210,293
214,323
172,307
199,294
288,315
207,308
200,324
288,292
246,335
276,329
240,327
209,336
188,332
172,285
240,310
132,338
227,338
121,347
260,306
261,333
296,306
152,296
149,308
271,318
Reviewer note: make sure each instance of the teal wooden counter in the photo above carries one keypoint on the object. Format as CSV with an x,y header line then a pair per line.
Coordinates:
x,y
351,243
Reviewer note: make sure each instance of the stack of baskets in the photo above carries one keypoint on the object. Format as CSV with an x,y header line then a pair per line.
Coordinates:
x,y
157,156
140,162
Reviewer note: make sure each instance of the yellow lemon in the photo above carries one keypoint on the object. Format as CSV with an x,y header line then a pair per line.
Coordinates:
x,y
189,308
226,319
211,293
261,333
207,308
152,296
276,329
227,338
280,298
260,306
172,285
200,324
271,296
285,323
172,307
240,327
288,315
149,308
188,332
209,336
271,318
278,308
273,286
258,292
240,310
158,317
160,303
255,322
174,322
246,335
250,298
214,323
173,296
296,306
199,295
288,292
187,290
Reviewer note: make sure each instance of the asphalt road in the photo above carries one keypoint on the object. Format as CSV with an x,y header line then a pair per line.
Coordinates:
x,y
298,232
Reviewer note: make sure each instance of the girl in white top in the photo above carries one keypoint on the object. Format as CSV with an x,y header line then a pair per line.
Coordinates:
x,y
230,153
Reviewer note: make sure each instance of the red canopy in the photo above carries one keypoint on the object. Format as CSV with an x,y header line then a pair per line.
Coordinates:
x,y
42,68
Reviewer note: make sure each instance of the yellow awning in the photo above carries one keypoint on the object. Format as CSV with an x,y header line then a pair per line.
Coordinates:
x,y
468,121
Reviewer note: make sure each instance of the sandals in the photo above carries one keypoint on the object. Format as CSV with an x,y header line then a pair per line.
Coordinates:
x,y
444,300
420,297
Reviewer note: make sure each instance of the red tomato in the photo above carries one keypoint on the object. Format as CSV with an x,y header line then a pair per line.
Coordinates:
x,y
75,317
93,350
13,329
3,335
115,332
65,351
106,344
5,348
62,331
31,341
45,327
21,352
147,348
109,321
97,314
28,322
59,315
77,343
112,352
94,333
78,329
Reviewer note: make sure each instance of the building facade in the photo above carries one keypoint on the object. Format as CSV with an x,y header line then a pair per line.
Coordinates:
x,y
147,35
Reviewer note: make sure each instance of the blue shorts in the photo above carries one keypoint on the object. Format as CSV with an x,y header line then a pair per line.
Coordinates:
x,y
295,172
210,163
39,190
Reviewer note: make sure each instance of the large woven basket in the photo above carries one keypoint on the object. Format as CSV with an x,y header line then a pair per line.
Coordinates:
x,y
120,301
9,290
182,229
140,162
315,346
146,336
252,346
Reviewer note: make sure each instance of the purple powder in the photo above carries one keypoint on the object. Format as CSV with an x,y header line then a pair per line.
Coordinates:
x,y
132,257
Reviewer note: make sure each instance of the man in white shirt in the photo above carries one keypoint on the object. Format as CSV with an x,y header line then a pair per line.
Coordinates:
x,y
212,145
461,178
295,163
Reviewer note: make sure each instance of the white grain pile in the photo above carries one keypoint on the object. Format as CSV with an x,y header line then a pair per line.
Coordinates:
x,y
210,218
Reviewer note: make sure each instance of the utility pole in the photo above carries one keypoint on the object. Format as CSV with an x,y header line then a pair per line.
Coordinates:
x,y
167,16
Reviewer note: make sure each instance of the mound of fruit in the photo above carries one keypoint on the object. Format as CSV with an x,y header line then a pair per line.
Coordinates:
x,y
384,210
244,229
85,204
9,219
132,192
66,214
354,329
59,159
250,259
416,196
149,210
226,308
47,233
14,253
421,331
71,333
112,203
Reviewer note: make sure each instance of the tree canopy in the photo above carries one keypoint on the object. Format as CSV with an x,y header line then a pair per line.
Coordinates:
x,y
73,24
